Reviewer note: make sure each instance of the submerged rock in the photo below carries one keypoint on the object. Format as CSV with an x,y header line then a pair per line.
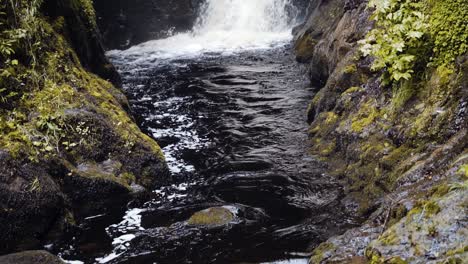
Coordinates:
x,y
31,257
211,217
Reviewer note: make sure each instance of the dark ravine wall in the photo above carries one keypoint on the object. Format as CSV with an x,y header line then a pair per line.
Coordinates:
x,y
68,147
124,23
401,151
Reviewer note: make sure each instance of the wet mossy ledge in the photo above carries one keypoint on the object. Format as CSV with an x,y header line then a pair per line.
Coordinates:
x,y
68,146
390,117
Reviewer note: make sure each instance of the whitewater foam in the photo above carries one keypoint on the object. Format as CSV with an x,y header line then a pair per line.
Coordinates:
x,y
224,26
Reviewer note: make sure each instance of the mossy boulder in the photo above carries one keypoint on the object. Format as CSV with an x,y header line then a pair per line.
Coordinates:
x,y
212,217
31,202
68,147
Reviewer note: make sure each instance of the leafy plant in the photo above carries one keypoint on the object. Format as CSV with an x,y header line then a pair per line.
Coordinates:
x,y
398,37
35,185
412,33
19,32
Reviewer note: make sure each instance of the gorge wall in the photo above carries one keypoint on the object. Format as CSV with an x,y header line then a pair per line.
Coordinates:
x,y
390,117
68,146
124,23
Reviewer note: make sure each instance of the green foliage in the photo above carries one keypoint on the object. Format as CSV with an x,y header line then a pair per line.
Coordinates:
x,y
398,38
20,34
409,34
35,185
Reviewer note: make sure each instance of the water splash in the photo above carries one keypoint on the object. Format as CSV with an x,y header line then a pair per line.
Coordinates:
x,y
224,26
245,16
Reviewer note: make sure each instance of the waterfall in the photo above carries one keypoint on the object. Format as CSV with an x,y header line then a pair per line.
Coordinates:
x,y
241,16
223,26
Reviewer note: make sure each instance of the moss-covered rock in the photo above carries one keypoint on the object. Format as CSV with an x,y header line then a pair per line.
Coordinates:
x,y
212,217
392,143
68,145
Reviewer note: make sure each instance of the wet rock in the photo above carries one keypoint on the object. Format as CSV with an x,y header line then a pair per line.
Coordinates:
x,y
108,155
433,232
84,36
208,236
31,257
421,223
92,193
211,217
121,21
30,203
368,136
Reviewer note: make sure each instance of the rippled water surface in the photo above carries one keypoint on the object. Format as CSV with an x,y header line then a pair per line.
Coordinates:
x,y
233,129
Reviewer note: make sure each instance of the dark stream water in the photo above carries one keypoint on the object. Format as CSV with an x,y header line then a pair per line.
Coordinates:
x,y
234,131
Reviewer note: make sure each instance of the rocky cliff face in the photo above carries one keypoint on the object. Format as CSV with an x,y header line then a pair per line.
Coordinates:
x,y
68,147
392,124
124,23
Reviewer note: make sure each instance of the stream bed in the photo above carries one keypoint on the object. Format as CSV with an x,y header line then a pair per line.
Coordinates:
x,y
233,128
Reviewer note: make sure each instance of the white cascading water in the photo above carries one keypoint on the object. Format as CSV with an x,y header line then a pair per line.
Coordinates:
x,y
224,26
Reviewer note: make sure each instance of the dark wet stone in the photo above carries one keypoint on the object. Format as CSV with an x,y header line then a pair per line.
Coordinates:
x,y
31,202
31,257
120,20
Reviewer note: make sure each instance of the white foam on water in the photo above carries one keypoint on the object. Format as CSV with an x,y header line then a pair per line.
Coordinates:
x,y
289,261
122,233
73,261
224,26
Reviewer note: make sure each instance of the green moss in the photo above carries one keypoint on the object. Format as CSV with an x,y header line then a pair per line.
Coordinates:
x,y
396,214
389,238
424,209
318,255
350,69
464,170
53,83
352,90
212,216
448,29
86,9
452,260
365,117
396,156
373,148
128,178
457,251
304,47
328,148
402,93
331,118
440,190
375,257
